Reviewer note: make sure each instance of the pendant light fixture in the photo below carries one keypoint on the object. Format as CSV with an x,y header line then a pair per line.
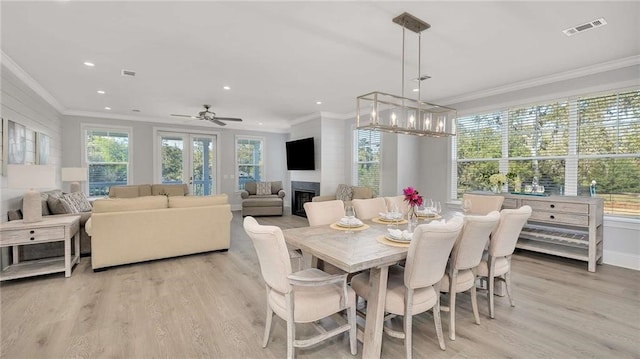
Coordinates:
x,y
378,111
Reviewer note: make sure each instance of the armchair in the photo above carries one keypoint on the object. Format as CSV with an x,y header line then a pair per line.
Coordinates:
x,y
262,199
346,193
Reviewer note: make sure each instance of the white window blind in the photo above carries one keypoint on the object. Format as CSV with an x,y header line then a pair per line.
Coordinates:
x,y
367,159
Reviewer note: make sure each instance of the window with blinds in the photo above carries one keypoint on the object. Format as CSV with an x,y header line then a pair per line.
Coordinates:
x,y
367,159
107,158
249,159
565,144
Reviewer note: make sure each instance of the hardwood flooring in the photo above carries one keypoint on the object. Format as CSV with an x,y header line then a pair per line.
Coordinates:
x,y
213,306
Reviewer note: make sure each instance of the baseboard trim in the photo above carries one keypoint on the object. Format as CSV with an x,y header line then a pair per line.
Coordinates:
x,y
620,259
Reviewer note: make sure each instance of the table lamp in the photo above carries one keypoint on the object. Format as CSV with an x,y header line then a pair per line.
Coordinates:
x,y
74,175
31,177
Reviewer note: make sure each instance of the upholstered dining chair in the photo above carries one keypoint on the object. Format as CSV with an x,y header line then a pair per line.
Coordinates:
x,y
413,289
369,208
301,297
460,275
321,213
496,262
399,201
481,204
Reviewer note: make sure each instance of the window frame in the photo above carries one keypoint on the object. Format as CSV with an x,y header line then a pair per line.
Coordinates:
x,y
238,186
355,160
84,130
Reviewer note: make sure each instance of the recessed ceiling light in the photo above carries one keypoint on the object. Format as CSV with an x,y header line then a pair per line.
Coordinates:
x,y
101,92
107,108
227,88
89,64
260,123
318,102
416,90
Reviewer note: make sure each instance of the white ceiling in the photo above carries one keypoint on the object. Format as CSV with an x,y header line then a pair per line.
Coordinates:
x,y
281,57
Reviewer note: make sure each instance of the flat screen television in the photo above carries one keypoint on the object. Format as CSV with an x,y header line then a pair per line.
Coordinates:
x,y
301,155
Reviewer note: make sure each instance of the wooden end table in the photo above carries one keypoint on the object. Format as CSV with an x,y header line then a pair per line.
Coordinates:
x,y
54,229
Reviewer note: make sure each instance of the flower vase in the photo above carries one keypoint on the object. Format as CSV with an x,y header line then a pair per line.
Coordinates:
x,y
496,189
412,218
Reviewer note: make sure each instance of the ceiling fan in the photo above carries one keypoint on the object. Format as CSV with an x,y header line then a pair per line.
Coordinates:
x,y
210,116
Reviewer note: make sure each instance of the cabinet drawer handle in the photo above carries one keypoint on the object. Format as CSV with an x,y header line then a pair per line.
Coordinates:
x,y
552,217
32,231
32,238
553,206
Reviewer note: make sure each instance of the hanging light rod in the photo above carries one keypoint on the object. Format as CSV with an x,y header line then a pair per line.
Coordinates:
x,y
378,111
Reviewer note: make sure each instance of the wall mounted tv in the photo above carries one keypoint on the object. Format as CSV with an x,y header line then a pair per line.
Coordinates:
x,y
301,155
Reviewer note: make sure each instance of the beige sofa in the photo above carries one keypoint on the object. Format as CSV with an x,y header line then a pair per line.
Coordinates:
x,y
346,193
139,190
254,204
130,230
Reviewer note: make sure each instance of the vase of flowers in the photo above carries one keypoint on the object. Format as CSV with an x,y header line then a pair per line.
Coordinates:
x,y
497,181
414,199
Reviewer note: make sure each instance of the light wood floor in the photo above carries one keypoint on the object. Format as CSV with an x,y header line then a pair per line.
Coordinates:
x,y
213,306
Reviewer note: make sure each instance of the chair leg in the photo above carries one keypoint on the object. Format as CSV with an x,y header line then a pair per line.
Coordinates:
x,y
452,314
474,304
490,284
408,323
507,281
267,326
438,323
353,332
291,327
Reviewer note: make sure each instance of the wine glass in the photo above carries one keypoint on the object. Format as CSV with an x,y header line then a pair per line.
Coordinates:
x,y
350,213
428,204
437,207
394,213
466,205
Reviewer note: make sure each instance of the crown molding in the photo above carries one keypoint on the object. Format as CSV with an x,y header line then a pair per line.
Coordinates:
x,y
31,83
545,80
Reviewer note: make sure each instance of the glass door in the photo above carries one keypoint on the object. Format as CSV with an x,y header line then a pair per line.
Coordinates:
x,y
188,158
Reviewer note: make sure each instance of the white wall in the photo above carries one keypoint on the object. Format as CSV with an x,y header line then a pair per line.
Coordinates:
x,y
22,105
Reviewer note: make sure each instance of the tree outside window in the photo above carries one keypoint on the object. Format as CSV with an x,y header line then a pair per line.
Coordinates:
x,y
249,160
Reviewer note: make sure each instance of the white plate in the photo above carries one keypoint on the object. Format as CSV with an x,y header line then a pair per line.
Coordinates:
x,y
398,240
346,225
384,219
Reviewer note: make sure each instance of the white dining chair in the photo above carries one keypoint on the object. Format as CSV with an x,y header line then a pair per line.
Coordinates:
x,y
460,275
496,261
305,296
482,205
326,212
369,208
414,288
399,202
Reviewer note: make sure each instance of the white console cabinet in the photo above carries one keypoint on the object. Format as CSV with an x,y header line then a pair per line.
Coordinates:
x,y
566,226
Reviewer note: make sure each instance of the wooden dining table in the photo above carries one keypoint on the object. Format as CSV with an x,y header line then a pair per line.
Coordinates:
x,y
354,251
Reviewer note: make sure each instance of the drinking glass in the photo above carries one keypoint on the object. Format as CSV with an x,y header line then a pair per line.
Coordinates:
x,y
350,213
437,207
466,206
428,204
394,213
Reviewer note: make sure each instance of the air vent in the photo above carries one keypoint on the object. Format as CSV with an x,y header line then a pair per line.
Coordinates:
x,y
584,27
128,73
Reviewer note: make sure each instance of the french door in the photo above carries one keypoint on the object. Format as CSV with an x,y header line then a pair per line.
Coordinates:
x,y
188,158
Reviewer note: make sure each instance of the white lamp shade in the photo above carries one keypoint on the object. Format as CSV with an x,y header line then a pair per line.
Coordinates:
x,y
71,174
31,176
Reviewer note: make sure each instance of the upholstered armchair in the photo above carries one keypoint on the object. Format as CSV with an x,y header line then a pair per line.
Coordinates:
x,y
346,193
262,199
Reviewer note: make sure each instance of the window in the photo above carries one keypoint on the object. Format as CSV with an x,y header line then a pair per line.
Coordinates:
x,y
367,159
566,144
249,160
107,158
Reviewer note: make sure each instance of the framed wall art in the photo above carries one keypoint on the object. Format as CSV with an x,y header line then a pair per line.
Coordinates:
x,y
43,147
16,143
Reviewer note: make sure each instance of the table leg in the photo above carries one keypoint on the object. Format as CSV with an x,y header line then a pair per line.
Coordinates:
x,y
372,347
16,254
76,238
67,257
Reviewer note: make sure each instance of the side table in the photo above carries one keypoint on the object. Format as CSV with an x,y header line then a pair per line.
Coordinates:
x,y
55,229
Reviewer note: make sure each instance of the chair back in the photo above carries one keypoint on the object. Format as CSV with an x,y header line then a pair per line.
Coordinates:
x,y
273,255
481,205
369,208
467,251
504,237
322,213
429,252
399,201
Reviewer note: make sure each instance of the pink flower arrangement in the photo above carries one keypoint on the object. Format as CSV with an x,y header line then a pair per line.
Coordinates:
x,y
412,197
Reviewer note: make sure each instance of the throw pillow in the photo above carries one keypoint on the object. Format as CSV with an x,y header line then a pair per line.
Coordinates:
x,y
60,206
263,188
79,200
344,192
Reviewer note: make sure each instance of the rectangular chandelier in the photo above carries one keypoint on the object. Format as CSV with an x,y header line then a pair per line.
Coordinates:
x,y
378,111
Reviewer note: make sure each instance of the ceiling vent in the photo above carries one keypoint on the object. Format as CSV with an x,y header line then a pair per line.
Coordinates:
x,y
128,73
584,27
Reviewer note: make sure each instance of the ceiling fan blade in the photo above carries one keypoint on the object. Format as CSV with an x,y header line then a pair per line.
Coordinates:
x,y
228,119
215,120
173,114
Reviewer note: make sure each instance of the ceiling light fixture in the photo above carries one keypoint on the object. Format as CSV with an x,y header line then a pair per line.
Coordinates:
x,y
107,108
378,111
101,92
89,64
227,88
318,102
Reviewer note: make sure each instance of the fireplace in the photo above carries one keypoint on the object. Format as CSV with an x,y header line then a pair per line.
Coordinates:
x,y
302,192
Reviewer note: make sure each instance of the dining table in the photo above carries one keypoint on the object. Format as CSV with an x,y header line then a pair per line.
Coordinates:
x,y
355,250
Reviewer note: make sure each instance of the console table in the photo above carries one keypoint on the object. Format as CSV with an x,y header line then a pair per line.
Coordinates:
x,y
565,226
51,229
